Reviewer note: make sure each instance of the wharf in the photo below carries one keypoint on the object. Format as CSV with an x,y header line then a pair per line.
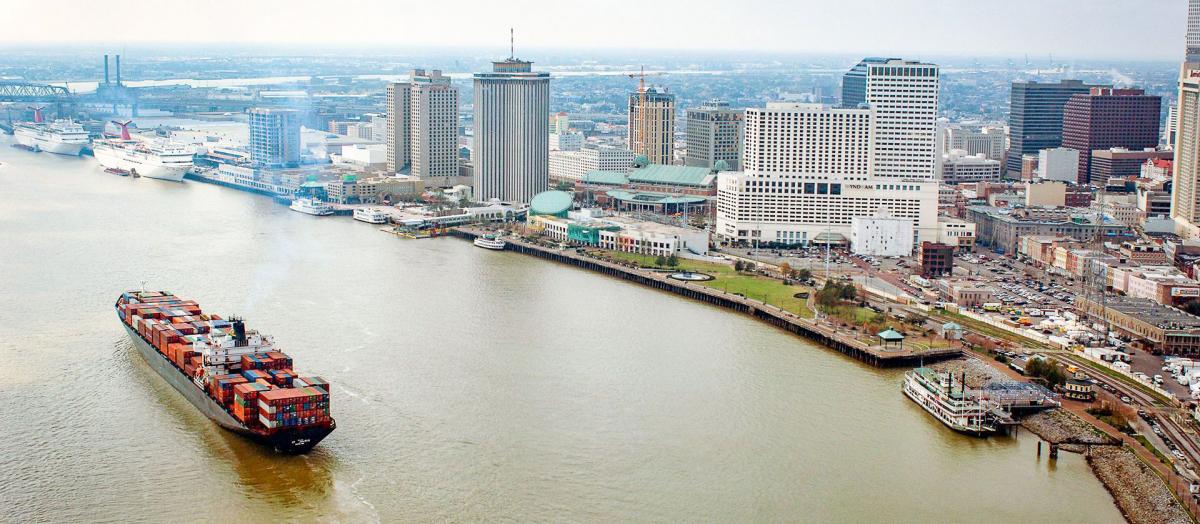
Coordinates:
x,y
810,329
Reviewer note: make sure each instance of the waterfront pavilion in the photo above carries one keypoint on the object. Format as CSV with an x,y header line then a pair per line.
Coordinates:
x,y
891,339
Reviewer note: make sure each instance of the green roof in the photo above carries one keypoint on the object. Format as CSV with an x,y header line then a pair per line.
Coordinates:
x,y
673,175
653,198
551,203
891,334
611,178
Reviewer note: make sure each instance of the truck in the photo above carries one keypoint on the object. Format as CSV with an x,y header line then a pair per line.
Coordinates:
x,y
991,306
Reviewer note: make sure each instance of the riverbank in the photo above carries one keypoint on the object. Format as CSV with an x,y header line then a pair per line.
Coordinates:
x,y
827,335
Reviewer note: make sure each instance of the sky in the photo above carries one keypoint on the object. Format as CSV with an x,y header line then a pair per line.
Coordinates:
x,y
1107,29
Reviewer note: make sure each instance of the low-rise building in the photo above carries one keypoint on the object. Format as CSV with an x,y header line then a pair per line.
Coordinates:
x,y
1059,163
966,293
1162,284
1046,193
620,233
1157,328
959,167
1001,229
936,259
351,190
572,165
956,233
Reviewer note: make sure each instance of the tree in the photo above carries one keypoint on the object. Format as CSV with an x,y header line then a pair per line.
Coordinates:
x,y
803,274
849,292
660,261
786,269
739,266
672,260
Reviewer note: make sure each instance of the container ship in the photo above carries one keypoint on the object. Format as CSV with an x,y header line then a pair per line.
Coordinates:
x,y
64,137
233,376
158,158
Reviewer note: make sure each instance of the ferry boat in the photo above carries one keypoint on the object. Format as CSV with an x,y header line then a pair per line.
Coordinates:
x,y
64,137
311,206
370,215
158,158
489,241
936,393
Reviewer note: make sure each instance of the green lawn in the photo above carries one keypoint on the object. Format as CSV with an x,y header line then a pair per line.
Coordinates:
x,y
757,287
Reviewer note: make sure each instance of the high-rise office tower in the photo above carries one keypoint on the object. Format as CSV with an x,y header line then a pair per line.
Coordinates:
x,y
904,94
1105,118
399,101
560,123
854,82
274,137
652,124
714,134
1185,197
1036,117
512,132
423,128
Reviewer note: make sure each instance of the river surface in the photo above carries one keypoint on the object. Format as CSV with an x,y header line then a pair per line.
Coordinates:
x,y
468,385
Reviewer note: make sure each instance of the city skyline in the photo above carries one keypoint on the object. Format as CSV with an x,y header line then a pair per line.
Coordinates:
x,y
792,27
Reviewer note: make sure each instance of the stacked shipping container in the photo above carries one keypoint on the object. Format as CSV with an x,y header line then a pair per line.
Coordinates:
x,y
263,391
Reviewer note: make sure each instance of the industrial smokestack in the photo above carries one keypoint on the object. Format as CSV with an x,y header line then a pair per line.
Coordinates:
x,y
118,69
106,69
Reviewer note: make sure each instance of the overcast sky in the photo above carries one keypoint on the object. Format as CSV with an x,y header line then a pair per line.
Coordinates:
x,y
1115,29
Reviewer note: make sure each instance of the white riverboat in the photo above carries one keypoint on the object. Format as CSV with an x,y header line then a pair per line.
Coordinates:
x,y
311,206
493,242
956,408
370,215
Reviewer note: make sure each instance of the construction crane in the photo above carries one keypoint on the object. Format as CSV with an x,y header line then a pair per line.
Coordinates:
x,y
642,125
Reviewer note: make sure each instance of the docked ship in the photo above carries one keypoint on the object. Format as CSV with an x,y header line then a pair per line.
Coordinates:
x,y
311,206
64,137
489,241
156,158
956,408
370,215
237,378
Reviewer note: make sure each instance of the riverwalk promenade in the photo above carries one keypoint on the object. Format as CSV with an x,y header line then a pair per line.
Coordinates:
x,y
812,329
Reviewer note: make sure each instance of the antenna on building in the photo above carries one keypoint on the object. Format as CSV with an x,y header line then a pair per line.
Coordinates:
x,y
512,45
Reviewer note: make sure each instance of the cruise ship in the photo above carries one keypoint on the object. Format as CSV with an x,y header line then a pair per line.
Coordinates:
x,y
311,206
157,158
64,137
370,215
936,393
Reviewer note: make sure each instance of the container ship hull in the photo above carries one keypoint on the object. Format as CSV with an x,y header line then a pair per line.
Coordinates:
x,y
288,440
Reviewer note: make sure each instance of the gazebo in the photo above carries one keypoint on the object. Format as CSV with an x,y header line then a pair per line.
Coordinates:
x,y
891,339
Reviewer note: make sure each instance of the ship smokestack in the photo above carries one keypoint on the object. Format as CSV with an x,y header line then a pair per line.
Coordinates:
x,y
239,331
105,69
118,69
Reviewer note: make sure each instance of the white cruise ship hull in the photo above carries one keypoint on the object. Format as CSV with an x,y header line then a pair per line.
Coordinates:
x,y
47,142
146,165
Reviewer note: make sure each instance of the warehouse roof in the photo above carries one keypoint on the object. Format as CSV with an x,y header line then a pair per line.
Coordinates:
x,y
673,175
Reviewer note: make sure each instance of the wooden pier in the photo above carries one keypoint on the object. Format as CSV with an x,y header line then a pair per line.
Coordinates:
x,y
810,329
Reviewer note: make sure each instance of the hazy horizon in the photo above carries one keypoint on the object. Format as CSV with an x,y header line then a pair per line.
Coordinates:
x,y
1149,30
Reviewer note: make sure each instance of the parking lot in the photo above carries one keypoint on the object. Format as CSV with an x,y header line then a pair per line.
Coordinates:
x,y
1018,284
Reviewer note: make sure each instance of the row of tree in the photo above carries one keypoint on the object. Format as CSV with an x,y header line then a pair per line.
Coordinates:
x,y
834,293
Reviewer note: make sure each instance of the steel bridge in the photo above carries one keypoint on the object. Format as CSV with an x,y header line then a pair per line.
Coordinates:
x,y
11,91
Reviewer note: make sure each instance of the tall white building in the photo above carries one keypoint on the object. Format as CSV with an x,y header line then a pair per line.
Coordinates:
x,y
808,171
423,128
512,128
571,166
904,95
1185,197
